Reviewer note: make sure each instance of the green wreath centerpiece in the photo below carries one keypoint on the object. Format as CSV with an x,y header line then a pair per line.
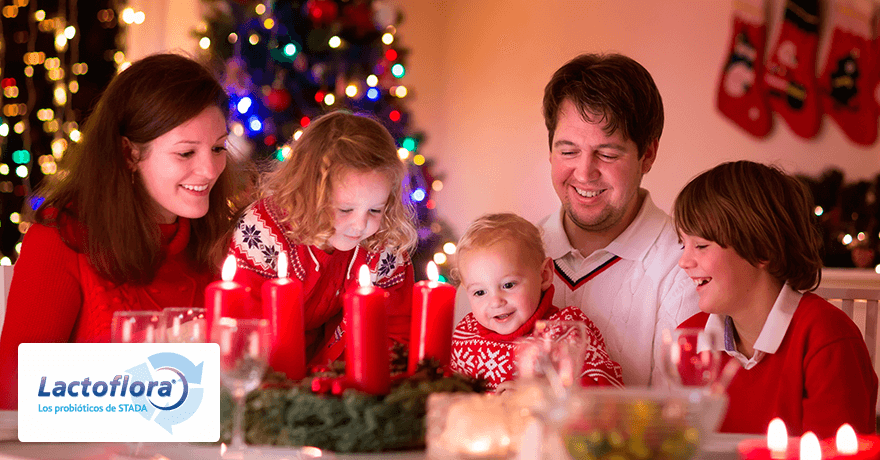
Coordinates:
x,y
302,413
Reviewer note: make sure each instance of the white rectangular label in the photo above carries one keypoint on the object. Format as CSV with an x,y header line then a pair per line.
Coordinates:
x,y
118,392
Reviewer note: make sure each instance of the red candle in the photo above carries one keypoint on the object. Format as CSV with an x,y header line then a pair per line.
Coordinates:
x,y
283,307
846,446
431,331
367,364
224,297
849,446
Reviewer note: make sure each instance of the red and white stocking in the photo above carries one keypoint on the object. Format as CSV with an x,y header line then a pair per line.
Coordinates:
x,y
790,75
848,81
741,96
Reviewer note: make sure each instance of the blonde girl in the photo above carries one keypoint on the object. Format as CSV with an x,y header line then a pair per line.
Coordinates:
x,y
337,203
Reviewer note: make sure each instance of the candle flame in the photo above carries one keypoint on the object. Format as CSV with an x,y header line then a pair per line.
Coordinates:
x,y
846,441
282,264
228,271
433,273
364,276
777,436
810,448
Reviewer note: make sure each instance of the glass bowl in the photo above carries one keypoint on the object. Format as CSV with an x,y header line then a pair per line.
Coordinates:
x,y
640,424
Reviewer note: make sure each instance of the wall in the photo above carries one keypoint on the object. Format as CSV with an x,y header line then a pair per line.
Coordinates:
x,y
476,73
485,81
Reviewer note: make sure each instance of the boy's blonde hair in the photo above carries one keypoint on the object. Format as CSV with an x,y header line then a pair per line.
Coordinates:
x,y
329,147
764,214
490,229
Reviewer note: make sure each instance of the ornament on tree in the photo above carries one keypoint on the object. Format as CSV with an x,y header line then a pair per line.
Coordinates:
x,y
790,74
847,89
359,18
741,95
322,12
277,98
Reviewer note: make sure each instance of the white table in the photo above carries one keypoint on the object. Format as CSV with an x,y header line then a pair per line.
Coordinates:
x,y
719,447
716,447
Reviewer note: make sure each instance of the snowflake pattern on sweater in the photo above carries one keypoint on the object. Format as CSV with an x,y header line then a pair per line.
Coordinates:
x,y
258,241
478,354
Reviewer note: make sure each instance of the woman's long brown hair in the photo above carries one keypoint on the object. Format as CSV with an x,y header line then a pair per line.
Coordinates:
x,y
98,193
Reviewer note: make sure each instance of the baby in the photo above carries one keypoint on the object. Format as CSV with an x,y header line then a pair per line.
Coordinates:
x,y
508,280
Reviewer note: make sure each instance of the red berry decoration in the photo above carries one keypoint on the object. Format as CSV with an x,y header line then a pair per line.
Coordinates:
x,y
322,11
278,100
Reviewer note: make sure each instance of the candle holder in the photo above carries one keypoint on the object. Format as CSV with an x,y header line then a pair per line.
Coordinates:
x,y
473,426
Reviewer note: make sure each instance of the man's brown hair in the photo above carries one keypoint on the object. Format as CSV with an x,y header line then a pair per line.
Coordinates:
x,y
611,89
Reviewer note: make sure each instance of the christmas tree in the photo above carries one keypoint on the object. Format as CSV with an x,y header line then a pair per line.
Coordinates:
x,y
55,59
285,63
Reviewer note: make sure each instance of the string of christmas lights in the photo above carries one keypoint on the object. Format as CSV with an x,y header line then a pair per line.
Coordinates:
x,y
47,87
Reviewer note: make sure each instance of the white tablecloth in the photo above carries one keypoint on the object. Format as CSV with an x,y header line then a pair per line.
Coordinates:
x,y
716,447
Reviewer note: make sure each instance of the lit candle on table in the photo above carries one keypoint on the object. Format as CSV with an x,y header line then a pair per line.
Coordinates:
x,y
775,446
431,331
809,447
224,297
849,446
282,306
367,364
846,446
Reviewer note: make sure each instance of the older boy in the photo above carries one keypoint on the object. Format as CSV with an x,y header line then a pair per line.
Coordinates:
x,y
753,253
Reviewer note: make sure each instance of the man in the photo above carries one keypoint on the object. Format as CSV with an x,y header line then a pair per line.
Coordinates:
x,y
615,253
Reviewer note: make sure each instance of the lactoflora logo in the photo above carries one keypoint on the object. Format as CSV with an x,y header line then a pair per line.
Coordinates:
x,y
166,388
147,392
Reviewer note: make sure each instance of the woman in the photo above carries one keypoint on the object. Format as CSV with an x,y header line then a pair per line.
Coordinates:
x,y
131,223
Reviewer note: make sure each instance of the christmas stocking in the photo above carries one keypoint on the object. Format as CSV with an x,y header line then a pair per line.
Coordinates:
x,y
846,82
741,96
790,76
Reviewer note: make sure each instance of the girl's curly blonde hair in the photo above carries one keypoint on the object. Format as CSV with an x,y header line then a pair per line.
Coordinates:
x,y
330,146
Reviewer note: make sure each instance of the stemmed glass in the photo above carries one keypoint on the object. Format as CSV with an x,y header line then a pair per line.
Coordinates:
x,y
549,365
135,327
184,325
691,357
244,354
693,361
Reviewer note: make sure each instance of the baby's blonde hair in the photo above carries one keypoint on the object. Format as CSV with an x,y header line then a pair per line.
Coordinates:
x,y
332,145
490,229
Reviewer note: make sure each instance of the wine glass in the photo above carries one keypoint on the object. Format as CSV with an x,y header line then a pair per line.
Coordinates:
x,y
244,353
554,352
184,324
549,365
135,327
691,357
